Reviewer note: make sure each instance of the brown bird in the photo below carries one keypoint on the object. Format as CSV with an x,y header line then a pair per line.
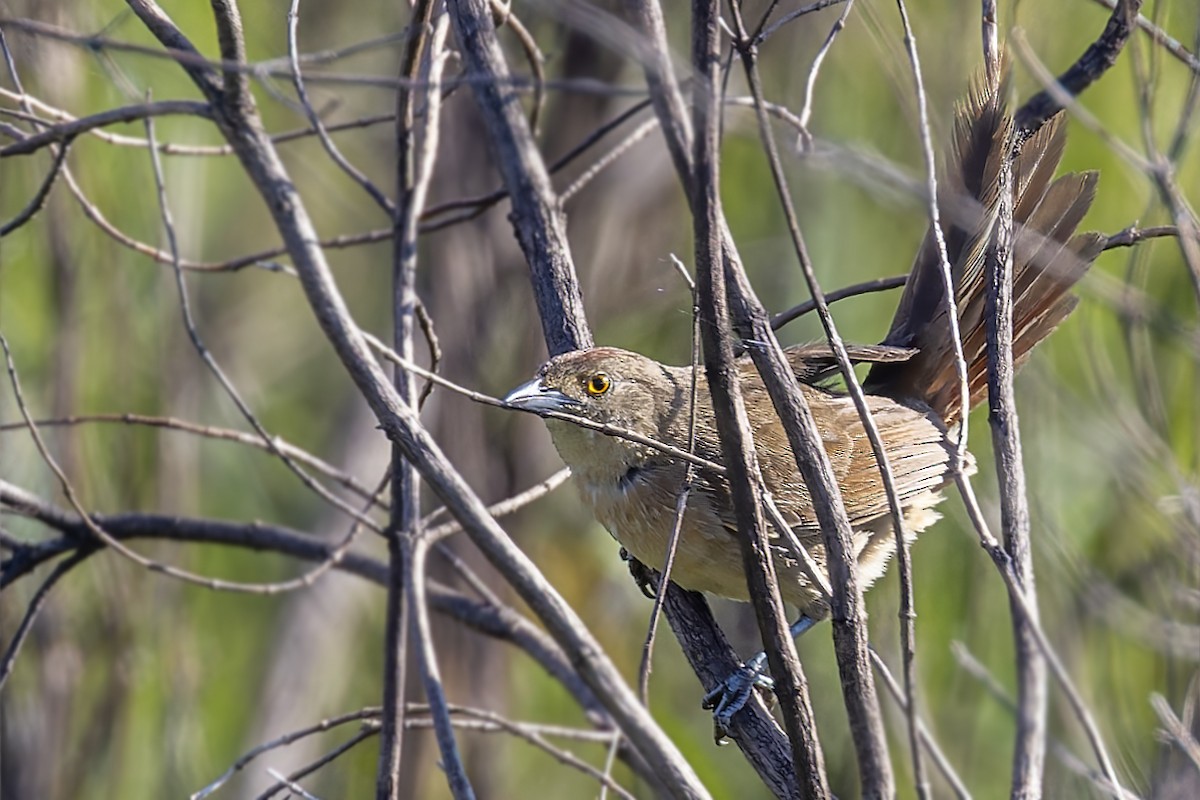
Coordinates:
x,y
913,386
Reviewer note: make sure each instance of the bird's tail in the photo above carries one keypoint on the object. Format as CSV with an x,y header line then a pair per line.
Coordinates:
x,y
1048,257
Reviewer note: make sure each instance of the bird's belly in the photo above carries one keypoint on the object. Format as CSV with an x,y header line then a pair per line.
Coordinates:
x,y
708,559
640,517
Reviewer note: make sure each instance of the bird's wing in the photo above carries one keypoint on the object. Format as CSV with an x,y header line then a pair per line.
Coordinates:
x,y
918,453
814,362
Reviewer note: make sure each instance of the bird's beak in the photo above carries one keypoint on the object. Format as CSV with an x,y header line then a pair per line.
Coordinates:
x,y
533,396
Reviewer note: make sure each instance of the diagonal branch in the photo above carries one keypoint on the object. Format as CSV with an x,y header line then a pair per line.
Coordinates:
x,y
242,127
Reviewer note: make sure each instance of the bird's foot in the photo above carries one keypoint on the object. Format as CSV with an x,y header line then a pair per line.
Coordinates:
x,y
733,693
643,576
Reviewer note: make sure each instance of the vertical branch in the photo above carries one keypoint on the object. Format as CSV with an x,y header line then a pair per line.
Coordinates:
x,y
848,612
415,552
405,510
536,216
733,426
991,42
713,659
664,91
1029,750
704,645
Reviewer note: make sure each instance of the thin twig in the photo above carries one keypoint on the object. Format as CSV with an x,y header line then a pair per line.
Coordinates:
x,y
36,604
206,431
1176,732
1021,605
733,427
927,740
1094,62
314,119
681,499
38,200
1161,38
859,691
282,741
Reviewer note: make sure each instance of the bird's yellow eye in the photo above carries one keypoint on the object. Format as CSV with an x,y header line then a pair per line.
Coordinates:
x,y
598,384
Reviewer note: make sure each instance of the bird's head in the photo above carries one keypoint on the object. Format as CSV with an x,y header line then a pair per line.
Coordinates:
x,y
607,386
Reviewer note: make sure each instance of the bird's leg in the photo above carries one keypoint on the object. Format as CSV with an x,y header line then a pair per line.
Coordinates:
x,y
646,578
733,693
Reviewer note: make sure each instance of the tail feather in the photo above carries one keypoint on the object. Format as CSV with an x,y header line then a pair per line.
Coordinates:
x,y
1048,258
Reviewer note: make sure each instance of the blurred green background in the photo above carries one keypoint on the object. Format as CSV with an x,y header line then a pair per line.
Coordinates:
x,y
136,685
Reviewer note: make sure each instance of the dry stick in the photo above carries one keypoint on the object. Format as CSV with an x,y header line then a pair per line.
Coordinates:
x,y
733,426
479,397
59,154
196,63
531,734
75,126
38,200
951,315
492,619
927,740
764,32
935,222
538,221
308,769
815,574
314,119
1175,730
241,125
435,348
416,139
1029,746
415,550
810,83
665,95
990,29
93,213
207,431
1068,759
293,787
1134,235
1094,62
504,17
1184,128
607,159
756,733
610,760
36,603
401,618
863,704
88,521
482,202
497,510
1160,37
1022,606
681,498
866,287
226,383
282,741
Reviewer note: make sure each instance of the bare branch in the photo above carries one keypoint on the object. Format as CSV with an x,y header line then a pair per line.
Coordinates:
x,y
1094,62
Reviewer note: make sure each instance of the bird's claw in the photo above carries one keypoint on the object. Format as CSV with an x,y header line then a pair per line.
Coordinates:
x,y
643,576
732,694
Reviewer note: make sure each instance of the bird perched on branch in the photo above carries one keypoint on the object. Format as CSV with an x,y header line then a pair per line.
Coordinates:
x,y
913,387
